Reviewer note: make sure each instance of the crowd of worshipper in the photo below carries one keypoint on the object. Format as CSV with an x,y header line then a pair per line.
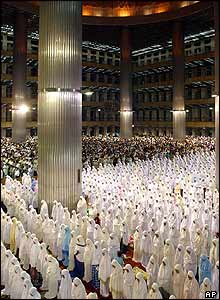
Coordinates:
x,y
17,159
163,212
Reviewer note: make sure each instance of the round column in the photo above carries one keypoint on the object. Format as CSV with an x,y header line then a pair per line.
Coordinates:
x,y
60,102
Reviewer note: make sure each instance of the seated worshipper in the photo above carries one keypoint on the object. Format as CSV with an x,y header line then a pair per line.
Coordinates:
x,y
105,269
178,281
206,286
79,268
155,292
78,290
65,285
88,256
140,287
205,268
65,248
53,276
116,280
164,277
97,254
128,278
191,287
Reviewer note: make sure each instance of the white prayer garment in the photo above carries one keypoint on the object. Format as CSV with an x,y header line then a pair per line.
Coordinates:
x,y
178,281
129,279
105,269
164,277
53,275
154,292
191,287
65,285
88,256
116,280
27,286
140,287
78,290
33,294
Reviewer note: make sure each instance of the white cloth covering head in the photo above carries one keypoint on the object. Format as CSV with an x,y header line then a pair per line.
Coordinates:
x,y
116,280
92,296
191,287
165,275
97,254
140,287
27,286
215,277
53,275
65,285
178,281
33,294
105,267
189,261
78,290
154,292
206,286
152,268
129,279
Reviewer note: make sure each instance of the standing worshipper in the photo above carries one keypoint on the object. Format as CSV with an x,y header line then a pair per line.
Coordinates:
x,y
140,287
78,290
79,268
88,256
155,292
124,238
33,294
72,247
189,261
206,286
65,285
97,254
44,209
191,287
65,248
146,248
105,269
164,277
178,281
116,281
137,245
53,276
215,277
205,268
128,278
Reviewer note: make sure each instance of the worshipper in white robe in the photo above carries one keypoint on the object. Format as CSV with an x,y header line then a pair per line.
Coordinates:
x,y
117,226
134,222
169,252
54,210
44,209
6,232
197,244
146,248
174,235
41,257
33,294
60,212
215,278
72,250
140,287
82,206
44,273
53,276
3,222
91,229
128,281
97,254
164,230
172,297
179,255
124,238
113,245
105,269
78,290
116,280
214,252
5,271
23,250
92,296
12,234
157,248
105,235
66,217
178,281
18,231
24,275
83,230
164,277
98,233
206,286
65,285
154,292
34,256
10,275
189,261
27,286
137,245
3,261
16,284
191,287
88,256
152,268
79,267
185,237
206,243
60,239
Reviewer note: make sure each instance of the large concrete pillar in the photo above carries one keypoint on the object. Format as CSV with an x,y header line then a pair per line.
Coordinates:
x,y
216,10
179,114
19,102
60,102
126,113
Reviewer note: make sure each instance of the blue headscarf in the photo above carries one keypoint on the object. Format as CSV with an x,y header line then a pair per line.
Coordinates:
x,y
67,238
205,268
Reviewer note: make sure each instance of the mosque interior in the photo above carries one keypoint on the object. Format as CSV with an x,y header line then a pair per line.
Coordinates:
x,y
110,149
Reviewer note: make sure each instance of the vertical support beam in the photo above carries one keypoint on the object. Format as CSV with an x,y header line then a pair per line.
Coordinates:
x,y
126,113
216,12
60,102
19,78
179,114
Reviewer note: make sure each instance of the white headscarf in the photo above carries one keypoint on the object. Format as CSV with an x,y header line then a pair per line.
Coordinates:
x,y
105,267
178,281
97,254
189,260
35,251
191,287
44,209
206,286
65,285
116,278
33,294
92,296
27,286
179,255
154,292
152,268
129,279
140,287
215,277
165,275
78,290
